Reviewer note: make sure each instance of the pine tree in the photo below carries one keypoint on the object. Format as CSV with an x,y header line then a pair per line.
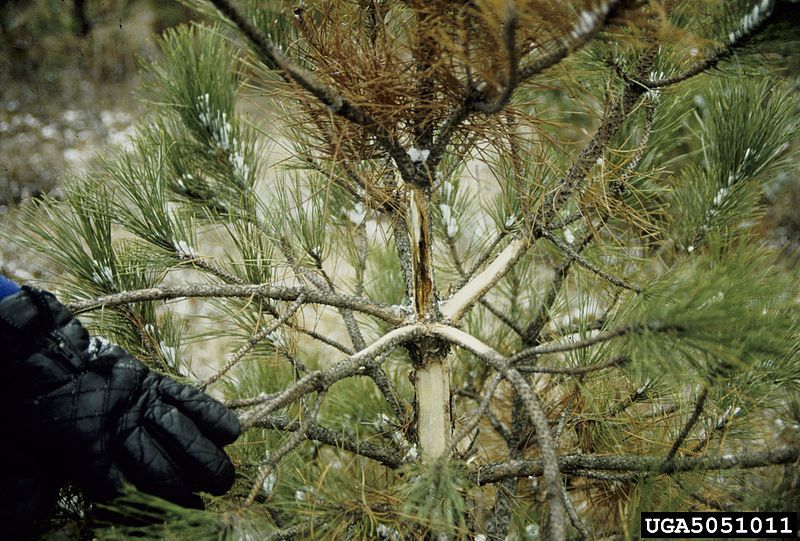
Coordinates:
x,y
483,270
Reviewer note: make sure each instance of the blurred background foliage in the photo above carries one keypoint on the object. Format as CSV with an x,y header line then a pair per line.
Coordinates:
x,y
68,81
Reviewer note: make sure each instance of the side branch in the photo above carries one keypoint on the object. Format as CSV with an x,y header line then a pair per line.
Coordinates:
x,y
534,410
577,464
326,436
753,22
583,262
312,296
462,300
632,329
584,29
319,380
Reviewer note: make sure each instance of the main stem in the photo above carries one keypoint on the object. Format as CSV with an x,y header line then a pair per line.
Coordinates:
x,y
432,370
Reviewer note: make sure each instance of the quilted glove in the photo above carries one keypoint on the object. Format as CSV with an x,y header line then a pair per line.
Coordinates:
x,y
99,417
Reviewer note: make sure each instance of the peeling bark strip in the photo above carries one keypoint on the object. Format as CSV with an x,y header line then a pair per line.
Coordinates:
x,y
419,227
462,300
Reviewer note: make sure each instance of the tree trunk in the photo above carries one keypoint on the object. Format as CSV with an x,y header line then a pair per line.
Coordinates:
x,y
432,370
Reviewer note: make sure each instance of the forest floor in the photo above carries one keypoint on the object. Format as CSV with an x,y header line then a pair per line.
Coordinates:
x,y
66,101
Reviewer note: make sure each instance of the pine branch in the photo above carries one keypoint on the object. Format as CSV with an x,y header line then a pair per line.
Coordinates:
x,y
635,465
511,324
324,283
292,532
388,457
462,300
387,313
722,423
687,428
322,338
320,380
239,403
626,330
575,328
568,220
609,127
753,23
582,261
575,370
590,22
207,266
533,408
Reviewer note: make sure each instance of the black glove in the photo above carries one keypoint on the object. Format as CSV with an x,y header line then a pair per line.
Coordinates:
x,y
100,416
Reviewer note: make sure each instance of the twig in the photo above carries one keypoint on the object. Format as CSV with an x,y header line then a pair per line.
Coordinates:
x,y
632,328
698,410
251,401
359,304
325,283
276,456
581,34
252,342
324,339
740,36
634,397
573,515
202,264
403,248
477,414
326,436
575,370
562,419
588,264
292,532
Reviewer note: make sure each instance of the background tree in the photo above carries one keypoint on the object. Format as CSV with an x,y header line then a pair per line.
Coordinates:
x,y
504,282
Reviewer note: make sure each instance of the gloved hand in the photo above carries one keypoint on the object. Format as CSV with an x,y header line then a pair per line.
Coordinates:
x,y
100,415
